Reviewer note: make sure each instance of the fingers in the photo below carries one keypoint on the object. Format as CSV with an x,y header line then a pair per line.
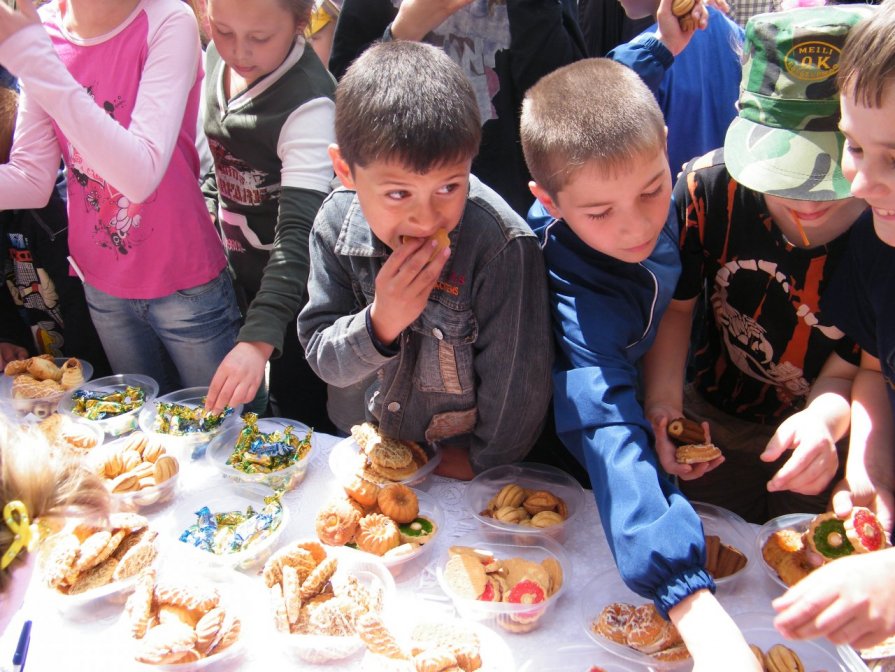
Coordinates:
x,y
842,499
780,442
805,472
799,607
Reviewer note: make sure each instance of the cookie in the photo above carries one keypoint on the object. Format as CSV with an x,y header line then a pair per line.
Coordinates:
x,y
695,453
318,578
465,576
278,607
166,643
208,628
138,607
194,599
292,593
97,576
389,453
135,559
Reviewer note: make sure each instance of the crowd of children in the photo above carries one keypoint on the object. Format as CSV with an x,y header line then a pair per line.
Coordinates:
x,y
363,244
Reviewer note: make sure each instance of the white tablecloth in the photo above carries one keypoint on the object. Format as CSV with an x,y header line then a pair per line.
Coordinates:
x,y
92,639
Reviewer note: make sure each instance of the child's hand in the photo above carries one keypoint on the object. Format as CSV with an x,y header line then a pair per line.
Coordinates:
x,y
669,31
857,491
850,601
239,376
813,462
416,18
10,352
14,20
403,286
455,463
659,417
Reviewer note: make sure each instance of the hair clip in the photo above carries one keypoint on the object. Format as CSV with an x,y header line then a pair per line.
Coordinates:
x,y
20,526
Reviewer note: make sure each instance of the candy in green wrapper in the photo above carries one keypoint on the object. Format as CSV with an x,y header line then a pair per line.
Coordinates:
x,y
256,452
179,419
98,405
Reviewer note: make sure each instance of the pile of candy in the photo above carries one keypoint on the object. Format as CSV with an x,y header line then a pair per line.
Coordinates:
x,y
178,419
234,531
98,405
259,453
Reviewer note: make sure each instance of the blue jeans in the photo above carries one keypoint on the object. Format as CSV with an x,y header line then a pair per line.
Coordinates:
x,y
179,339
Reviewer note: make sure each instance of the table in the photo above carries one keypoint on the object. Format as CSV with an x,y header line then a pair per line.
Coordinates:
x,y
93,640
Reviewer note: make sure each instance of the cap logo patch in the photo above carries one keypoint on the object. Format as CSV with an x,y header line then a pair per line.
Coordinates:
x,y
813,61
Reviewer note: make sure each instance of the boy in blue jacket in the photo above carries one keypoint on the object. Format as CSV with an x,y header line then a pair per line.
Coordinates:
x,y
594,141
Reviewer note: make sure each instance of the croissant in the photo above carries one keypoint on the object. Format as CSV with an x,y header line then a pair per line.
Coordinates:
x,y
72,374
43,369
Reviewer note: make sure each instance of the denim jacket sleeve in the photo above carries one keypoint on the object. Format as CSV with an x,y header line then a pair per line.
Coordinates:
x,y
332,326
514,354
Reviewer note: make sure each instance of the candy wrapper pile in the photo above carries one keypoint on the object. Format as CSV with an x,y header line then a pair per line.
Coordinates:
x,y
97,405
234,531
260,453
178,419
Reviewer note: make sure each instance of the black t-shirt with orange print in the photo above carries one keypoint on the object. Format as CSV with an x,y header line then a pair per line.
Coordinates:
x,y
761,339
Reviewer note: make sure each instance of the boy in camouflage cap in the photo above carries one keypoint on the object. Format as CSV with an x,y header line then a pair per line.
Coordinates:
x,y
764,221
851,603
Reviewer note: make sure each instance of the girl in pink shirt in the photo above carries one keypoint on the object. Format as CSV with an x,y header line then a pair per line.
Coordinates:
x,y
112,87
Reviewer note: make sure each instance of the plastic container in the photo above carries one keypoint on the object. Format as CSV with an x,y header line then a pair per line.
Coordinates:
x,y
733,531
816,654
118,424
792,521
184,446
35,410
856,663
133,500
80,437
319,649
398,564
506,616
183,515
222,445
530,476
604,589
346,459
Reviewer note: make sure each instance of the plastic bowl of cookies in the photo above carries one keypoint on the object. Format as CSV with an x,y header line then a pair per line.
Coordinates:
x,y
814,654
76,437
531,572
28,402
334,639
221,448
403,559
526,498
184,444
797,522
183,516
728,560
132,468
605,591
120,423
346,459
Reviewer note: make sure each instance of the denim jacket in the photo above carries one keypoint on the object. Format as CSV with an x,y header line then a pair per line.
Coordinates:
x,y
476,363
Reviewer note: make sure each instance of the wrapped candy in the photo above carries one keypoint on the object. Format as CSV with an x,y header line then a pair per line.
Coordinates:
x,y
178,419
234,531
257,452
98,405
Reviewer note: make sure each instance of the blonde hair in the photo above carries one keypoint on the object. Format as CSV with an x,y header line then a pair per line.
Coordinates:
x,y
593,112
50,485
9,103
867,65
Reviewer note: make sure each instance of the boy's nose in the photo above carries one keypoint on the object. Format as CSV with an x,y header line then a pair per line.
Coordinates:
x,y
863,186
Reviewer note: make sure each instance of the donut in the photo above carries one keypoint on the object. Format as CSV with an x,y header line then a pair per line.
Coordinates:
x,y
399,503
827,537
337,522
612,622
377,534
864,530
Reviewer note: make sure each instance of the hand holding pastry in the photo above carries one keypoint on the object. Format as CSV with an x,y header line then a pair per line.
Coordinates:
x,y
683,445
676,30
418,17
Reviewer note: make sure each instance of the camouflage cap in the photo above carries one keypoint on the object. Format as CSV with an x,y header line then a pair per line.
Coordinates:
x,y
785,140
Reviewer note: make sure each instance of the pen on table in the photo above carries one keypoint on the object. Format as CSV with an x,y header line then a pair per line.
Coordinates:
x,y
18,658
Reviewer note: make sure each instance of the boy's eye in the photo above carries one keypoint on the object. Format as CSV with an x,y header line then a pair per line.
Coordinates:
x,y
396,195
652,194
598,215
222,33
853,149
260,40
449,188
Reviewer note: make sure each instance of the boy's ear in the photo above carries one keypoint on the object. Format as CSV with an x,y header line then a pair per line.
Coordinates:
x,y
546,200
340,167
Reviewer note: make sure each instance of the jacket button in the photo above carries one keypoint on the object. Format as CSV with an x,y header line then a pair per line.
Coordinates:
x,y
436,332
394,407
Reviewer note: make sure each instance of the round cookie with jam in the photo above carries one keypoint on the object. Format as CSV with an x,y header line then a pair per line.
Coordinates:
x,y
418,531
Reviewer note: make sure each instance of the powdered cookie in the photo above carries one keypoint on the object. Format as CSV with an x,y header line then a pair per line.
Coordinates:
x,y
377,638
292,593
207,629
165,643
318,578
390,454
138,607
193,599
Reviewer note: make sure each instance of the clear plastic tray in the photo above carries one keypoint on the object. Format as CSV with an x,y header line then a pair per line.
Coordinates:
x,y
134,500
816,654
530,476
183,515
732,530
222,445
791,521
505,615
119,424
185,446
35,410
317,649
605,588
346,459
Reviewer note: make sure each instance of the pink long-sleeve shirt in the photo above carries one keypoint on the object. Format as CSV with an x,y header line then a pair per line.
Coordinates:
x,y
120,109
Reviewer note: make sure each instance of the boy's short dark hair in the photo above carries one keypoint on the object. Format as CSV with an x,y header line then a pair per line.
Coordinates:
x,y
593,111
867,65
407,102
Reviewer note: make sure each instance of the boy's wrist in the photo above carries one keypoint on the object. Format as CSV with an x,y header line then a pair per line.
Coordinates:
x,y
384,349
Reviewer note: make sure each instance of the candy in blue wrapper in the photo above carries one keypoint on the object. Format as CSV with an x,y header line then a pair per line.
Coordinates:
x,y
256,452
234,531
179,419
98,405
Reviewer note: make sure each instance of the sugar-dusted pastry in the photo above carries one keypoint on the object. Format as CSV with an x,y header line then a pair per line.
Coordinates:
x,y
612,623
435,659
648,632
337,522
